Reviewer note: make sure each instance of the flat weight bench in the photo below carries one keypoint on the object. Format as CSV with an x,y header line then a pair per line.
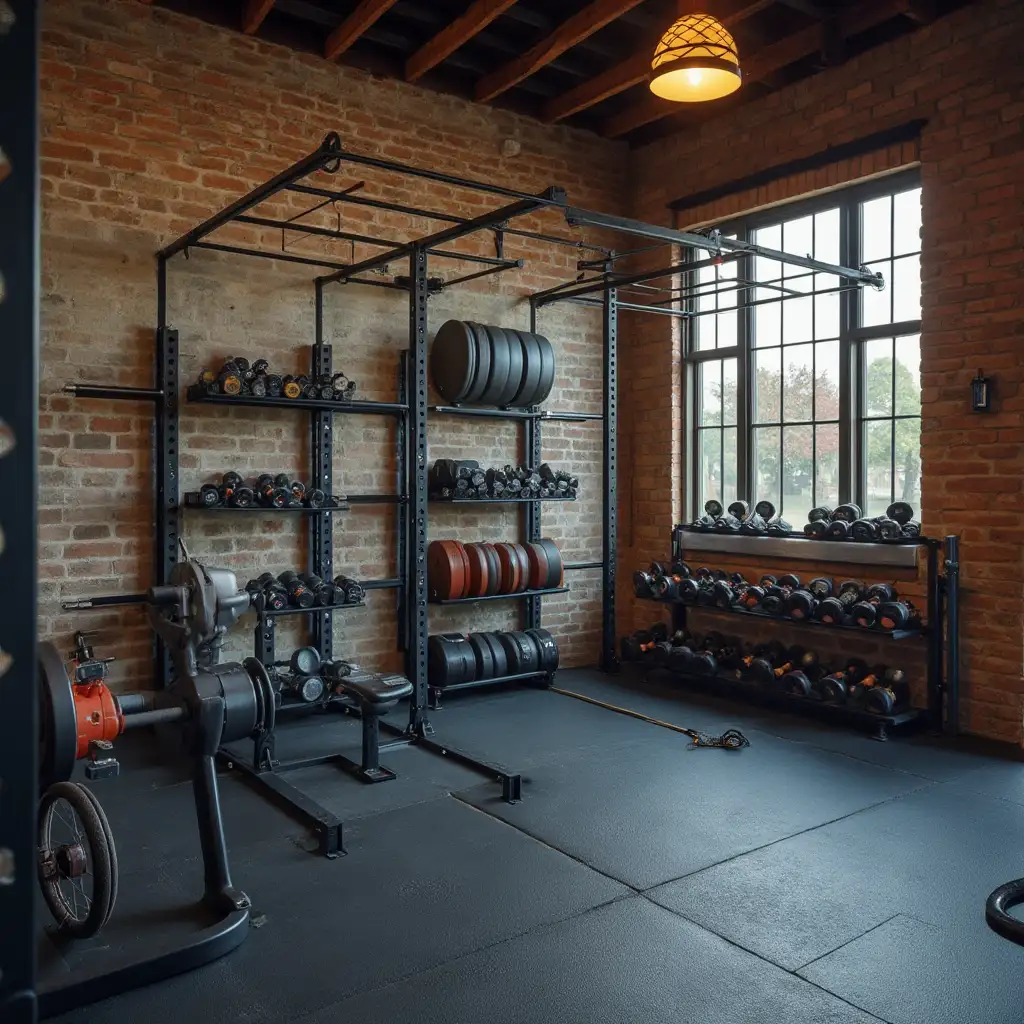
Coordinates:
x,y
376,695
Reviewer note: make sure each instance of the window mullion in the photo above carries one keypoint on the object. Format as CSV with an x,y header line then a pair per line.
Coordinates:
x,y
744,396
850,446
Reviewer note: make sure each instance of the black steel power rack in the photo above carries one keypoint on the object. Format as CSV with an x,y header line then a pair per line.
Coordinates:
x,y
411,410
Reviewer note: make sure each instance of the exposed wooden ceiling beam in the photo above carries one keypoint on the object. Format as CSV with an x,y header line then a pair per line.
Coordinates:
x,y
812,8
584,23
765,61
355,25
480,14
255,12
634,70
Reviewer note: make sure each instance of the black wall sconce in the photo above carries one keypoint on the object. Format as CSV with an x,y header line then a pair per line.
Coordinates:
x,y
981,393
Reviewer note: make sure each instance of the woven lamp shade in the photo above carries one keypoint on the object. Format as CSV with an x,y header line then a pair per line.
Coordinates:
x,y
695,61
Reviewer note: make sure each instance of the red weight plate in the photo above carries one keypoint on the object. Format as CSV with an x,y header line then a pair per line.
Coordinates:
x,y
478,570
446,571
524,567
538,566
510,570
493,569
460,547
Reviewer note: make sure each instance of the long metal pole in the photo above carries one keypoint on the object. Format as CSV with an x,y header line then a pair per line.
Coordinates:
x,y
19,408
486,220
610,330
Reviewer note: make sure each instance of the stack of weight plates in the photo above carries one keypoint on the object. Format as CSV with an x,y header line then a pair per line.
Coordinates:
x,y
456,570
473,364
453,658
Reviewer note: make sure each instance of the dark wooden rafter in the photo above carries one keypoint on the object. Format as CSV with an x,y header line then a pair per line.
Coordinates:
x,y
636,69
255,12
355,25
479,15
584,23
764,62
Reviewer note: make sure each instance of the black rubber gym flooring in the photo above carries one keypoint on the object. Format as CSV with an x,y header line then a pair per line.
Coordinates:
x,y
816,876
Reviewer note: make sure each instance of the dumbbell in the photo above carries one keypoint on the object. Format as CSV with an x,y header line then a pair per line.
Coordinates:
x,y
299,595
712,510
860,680
776,595
774,523
801,603
901,511
727,522
635,646
327,594
893,615
229,378
816,529
273,595
864,612
793,661
837,607
209,496
705,657
760,664
269,494
353,590
911,529
667,586
833,687
799,681
888,695
726,593
233,492
643,584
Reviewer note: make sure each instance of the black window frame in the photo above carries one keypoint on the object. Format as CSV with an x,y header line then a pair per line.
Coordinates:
x,y
852,347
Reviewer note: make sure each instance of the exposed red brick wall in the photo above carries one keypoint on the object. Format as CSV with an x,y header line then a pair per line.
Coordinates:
x,y
963,74
152,122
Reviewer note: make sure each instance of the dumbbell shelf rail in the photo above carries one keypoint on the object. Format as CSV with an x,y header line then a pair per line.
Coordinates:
x,y
367,408
801,536
501,597
891,634
494,501
755,693
313,610
347,500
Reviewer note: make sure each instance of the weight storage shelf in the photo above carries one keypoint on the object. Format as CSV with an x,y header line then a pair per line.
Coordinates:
x,y
800,535
315,610
501,597
515,414
198,394
347,501
493,501
754,693
894,634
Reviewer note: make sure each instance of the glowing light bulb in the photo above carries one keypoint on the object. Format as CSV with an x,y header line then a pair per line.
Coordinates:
x,y
694,76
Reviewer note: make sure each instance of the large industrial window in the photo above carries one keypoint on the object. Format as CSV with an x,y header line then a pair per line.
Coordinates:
x,y
807,391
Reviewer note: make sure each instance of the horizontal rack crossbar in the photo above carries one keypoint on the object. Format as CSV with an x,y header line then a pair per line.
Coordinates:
x,y
502,597
196,394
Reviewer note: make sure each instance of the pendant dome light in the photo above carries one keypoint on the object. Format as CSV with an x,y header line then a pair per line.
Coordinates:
x,y
696,60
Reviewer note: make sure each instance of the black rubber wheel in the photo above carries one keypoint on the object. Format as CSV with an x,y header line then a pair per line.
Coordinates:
x,y
998,907
453,361
114,871
482,371
58,723
547,370
530,379
515,365
497,377
77,863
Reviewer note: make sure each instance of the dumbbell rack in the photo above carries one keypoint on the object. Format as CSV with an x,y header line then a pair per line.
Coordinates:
x,y
940,632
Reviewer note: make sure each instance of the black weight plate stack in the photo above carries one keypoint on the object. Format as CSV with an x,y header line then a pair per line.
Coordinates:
x,y
530,379
453,360
547,370
523,655
554,563
497,377
483,655
548,648
515,366
450,660
481,376
498,655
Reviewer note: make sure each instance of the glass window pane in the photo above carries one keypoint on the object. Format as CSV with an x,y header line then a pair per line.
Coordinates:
x,y
826,380
876,229
908,462
906,289
826,474
702,331
907,222
766,465
730,487
798,384
767,386
706,301
826,235
878,377
767,320
710,394
908,376
797,320
770,238
878,466
826,316
727,329
797,472
798,240
727,275
729,392
876,306
709,458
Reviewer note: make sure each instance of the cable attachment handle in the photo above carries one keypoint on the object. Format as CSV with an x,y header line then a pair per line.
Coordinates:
x,y
731,739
